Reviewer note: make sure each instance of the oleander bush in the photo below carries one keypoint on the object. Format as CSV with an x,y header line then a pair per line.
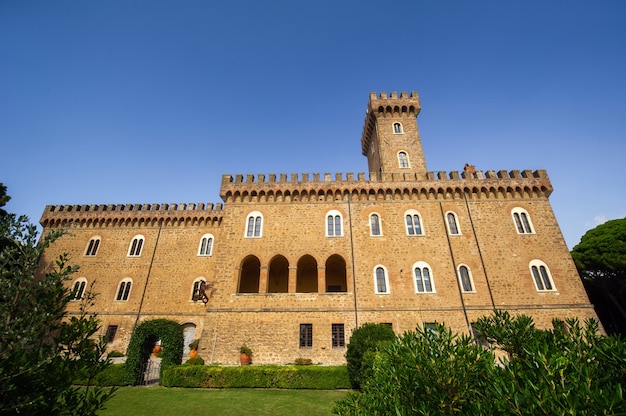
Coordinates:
x,y
570,369
261,376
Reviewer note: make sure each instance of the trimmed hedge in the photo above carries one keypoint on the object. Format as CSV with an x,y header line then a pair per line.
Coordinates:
x,y
113,375
261,376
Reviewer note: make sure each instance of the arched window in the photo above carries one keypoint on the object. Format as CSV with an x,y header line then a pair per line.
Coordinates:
x,y
541,276
134,250
334,220
452,224
381,281
92,247
413,222
198,290
522,222
423,278
465,277
206,245
397,128
123,290
375,225
78,289
403,160
254,227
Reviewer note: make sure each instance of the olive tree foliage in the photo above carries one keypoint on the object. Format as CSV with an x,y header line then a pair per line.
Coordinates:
x,y
361,349
567,370
43,348
600,258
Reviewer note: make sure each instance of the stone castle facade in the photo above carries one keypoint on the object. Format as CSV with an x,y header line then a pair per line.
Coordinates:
x,y
291,265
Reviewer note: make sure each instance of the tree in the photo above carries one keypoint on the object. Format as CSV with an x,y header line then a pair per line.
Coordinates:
x,y
42,348
600,258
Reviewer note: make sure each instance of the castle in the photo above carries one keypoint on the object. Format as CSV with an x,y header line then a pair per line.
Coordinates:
x,y
291,265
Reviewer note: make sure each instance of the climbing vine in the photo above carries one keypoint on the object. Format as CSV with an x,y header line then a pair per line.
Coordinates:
x,y
141,343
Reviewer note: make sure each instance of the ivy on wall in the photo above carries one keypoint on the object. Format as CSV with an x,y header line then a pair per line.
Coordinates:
x,y
141,343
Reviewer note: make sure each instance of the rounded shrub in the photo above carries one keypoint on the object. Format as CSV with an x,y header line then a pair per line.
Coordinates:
x,y
364,342
197,360
141,343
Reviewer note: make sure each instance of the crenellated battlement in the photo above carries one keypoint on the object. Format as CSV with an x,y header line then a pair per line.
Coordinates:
x,y
404,104
477,181
146,213
303,178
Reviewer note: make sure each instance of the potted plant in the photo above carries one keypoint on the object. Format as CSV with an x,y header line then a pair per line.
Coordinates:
x,y
245,355
156,349
193,348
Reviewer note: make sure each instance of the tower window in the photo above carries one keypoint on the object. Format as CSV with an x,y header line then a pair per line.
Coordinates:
x,y
381,281
206,245
306,335
111,331
334,220
78,290
541,276
403,160
466,279
423,279
521,218
397,128
198,292
413,223
254,225
124,289
452,223
375,225
92,247
135,246
339,338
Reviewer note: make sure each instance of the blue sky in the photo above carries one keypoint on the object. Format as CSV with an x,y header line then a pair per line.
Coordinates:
x,y
152,101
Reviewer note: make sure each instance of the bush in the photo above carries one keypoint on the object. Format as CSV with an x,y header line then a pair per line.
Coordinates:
x,y
366,338
432,372
114,375
266,376
113,354
568,370
303,361
197,360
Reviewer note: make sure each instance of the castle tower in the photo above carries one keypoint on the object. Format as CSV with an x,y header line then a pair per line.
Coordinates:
x,y
390,139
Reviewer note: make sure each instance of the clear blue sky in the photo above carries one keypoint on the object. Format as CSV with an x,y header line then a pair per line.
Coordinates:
x,y
152,101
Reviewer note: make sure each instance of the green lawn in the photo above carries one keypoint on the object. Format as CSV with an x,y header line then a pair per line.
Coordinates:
x,y
227,402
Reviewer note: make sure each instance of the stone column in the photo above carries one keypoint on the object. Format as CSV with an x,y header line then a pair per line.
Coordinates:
x,y
321,279
263,279
293,277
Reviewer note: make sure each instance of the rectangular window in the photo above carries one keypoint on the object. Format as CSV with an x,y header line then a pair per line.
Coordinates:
x,y
339,339
111,331
430,327
306,335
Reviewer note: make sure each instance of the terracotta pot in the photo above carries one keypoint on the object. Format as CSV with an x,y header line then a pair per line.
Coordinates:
x,y
193,353
244,359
